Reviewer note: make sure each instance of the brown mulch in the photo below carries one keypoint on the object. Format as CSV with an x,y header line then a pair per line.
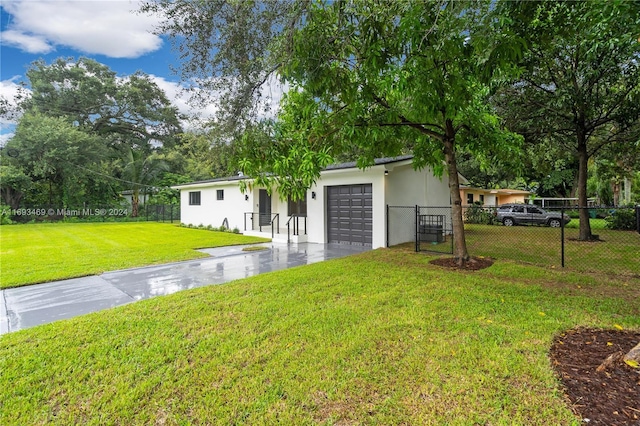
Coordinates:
x,y
473,264
610,397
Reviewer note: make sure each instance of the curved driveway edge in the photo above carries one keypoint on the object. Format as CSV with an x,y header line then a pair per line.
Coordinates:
x,y
28,306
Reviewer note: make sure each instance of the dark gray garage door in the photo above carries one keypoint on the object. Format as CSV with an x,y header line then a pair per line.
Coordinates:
x,y
349,214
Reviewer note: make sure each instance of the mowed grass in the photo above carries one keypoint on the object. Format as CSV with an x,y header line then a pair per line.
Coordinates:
x,y
38,253
380,338
617,252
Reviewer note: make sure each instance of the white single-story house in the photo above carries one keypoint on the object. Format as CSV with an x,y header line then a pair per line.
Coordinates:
x,y
492,197
347,205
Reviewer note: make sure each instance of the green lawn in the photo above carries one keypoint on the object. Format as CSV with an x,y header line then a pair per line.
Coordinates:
x,y
596,224
379,338
38,253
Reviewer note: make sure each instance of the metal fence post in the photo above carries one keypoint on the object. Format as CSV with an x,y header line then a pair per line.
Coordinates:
x,y
387,225
562,235
638,218
417,229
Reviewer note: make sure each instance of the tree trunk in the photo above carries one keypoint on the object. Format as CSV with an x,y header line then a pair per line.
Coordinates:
x,y
615,188
460,253
583,157
11,197
134,203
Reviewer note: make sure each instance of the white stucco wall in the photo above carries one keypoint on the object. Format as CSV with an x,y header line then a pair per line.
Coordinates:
x,y
212,211
402,186
408,187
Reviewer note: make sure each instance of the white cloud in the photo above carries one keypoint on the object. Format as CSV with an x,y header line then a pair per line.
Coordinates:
x,y
272,91
29,43
107,27
9,91
4,138
179,96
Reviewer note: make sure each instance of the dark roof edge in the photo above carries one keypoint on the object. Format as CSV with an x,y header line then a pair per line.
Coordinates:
x,y
222,179
339,166
376,162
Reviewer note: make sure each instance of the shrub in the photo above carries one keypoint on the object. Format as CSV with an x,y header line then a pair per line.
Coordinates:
x,y
236,230
5,215
477,214
621,219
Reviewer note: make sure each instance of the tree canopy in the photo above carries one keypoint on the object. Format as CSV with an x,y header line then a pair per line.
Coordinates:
x,y
130,111
79,121
229,50
385,77
580,88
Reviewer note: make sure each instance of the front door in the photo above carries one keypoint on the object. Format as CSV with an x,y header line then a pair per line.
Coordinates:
x,y
264,208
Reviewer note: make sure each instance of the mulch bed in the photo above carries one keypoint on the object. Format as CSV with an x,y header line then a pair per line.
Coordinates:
x,y
474,264
611,397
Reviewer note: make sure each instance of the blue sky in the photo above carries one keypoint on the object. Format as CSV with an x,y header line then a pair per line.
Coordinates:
x,y
109,31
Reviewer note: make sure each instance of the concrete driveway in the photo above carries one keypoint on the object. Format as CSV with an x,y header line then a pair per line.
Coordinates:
x,y
25,307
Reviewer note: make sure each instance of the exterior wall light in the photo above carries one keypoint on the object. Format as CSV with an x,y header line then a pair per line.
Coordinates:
x,y
313,194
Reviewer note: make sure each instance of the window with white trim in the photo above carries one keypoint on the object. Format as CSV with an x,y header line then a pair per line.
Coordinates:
x,y
194,198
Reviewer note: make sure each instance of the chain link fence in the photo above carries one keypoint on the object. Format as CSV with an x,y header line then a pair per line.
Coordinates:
x,y
549,237
427,228
146,213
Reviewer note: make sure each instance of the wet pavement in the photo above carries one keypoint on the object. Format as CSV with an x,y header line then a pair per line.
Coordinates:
x,y
28,306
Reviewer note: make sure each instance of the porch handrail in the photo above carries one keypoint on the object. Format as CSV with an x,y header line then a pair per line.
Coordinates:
x,y
296,225
276,218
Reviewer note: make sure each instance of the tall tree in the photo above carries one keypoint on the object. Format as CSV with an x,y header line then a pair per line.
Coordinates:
x,y
102,115
140,171
13,185
91,95
202,156
387,77
226,49
53,151
581,84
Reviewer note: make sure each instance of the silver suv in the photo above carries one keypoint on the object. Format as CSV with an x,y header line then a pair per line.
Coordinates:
x,y
527,214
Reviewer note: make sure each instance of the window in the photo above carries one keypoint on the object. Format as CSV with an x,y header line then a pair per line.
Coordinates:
x,y
534,210
220,194
518,209
482,199
469,198
297,207
194,198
